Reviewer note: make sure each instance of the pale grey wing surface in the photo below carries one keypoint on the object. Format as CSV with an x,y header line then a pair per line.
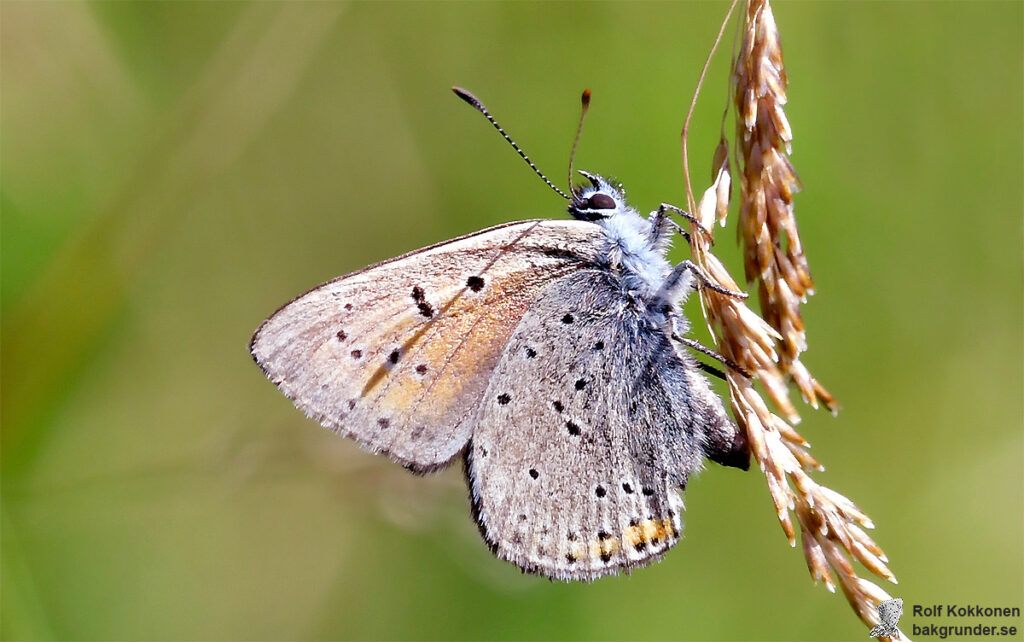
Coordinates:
x,y
397,355
588,430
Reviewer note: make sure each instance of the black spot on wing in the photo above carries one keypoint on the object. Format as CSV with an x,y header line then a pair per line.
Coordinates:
x,y
475,283
420,298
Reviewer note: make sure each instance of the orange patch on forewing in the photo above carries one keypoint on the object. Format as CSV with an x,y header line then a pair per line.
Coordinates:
x,y
472,349
406,327
464,340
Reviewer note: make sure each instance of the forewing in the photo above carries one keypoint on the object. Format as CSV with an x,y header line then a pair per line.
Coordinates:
x,y
590,426
397,355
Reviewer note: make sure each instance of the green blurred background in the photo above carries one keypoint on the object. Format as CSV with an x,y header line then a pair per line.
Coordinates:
x,y
172,172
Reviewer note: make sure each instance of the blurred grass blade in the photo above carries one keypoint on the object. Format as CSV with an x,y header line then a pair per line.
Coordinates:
x,y
48,334
22,616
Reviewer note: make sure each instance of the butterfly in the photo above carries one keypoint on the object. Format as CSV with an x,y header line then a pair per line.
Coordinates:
x,y
549,355
889,613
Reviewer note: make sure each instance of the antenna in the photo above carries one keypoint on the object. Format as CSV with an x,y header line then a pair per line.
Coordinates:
x,y
479,106
585,101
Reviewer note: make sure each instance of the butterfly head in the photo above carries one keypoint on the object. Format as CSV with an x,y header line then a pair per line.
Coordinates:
x,y
601,200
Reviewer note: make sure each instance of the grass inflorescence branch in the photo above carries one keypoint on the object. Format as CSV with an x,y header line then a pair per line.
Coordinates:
x,y
832,528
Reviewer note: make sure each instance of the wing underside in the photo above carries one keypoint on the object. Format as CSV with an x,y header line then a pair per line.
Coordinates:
x,y
590,427
397,355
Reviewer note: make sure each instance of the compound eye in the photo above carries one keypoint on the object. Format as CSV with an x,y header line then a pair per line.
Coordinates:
x,y
601,201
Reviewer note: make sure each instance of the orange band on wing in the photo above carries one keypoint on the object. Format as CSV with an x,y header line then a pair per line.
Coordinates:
x,y
482,337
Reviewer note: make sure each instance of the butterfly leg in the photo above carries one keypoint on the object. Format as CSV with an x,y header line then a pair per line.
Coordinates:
x,y
662,228
677,335
690,343
687,275
661,214
711,370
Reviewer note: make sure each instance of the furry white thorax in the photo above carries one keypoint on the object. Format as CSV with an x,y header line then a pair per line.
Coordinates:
x,y
631,241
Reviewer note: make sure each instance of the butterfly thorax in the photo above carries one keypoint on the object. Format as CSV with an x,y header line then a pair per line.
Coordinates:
x,y
630,250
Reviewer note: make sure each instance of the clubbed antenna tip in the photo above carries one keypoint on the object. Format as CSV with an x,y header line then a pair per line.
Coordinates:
x,y
585,106
470,98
